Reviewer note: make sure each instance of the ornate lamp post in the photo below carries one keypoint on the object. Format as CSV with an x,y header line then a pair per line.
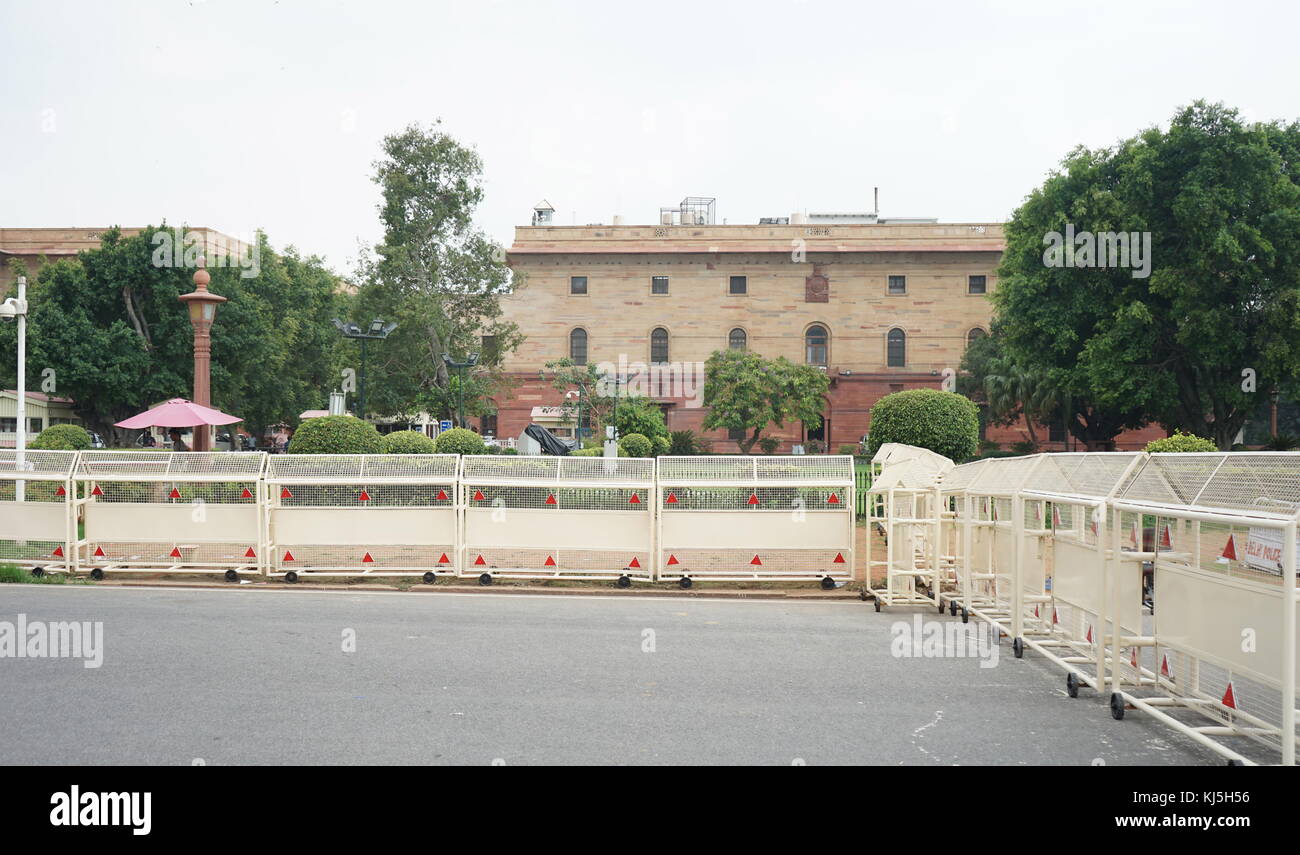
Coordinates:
x,y
203,309
460,385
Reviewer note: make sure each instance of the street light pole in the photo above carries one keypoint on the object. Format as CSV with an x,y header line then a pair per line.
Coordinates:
x,y
377,331
460,384
203,310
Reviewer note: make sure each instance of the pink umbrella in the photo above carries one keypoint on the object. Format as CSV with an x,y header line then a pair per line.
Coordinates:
x,y
179,412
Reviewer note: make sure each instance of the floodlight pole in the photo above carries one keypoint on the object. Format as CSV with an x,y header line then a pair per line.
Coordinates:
x,y
460,384
21,438
379,330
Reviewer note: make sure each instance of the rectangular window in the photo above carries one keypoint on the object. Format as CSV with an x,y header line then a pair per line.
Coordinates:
x,y
488,425
895,387
577,284
738,285
8,425
658,284
976,285
898,284
34,425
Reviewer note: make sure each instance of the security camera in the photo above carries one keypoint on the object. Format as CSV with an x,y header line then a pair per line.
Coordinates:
x,y
11,308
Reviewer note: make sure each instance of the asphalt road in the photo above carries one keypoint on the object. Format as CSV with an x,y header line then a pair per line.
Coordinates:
x,y
261,677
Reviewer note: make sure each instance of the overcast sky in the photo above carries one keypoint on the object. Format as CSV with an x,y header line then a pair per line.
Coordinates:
x,y
246,115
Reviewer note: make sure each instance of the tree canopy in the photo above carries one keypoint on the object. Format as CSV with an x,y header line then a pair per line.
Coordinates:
x,y
744,391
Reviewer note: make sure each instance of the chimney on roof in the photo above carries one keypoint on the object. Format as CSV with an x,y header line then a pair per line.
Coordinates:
x,y
876,209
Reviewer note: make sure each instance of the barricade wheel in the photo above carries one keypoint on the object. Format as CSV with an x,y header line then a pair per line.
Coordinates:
x,y
97,574
862,595
291,577
941,608
232,576
1072,685
952,608
877,604
1018,648
965,616
624,581
485,579
428,578
1233,761
1117,706
684,582
38,572
828,584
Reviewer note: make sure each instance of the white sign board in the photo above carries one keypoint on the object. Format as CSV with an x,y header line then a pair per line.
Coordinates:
x,y
1264,550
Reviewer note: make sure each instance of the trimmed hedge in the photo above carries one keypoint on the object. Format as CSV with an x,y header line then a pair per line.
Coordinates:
x,y
460,441
336,435
61,438
1180,442
635,445
944,422
408,442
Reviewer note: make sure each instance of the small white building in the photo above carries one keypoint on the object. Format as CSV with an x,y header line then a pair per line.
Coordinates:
x,y
42,411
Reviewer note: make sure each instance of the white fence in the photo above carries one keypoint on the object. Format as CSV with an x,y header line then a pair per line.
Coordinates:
x,y
761,518
37,528
361,515
557,518
177,512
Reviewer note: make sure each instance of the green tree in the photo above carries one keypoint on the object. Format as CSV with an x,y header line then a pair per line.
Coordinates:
x,y
1215,323
437,276
944,422
744,391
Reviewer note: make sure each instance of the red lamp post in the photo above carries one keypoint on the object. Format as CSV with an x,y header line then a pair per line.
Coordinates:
x,y
203,308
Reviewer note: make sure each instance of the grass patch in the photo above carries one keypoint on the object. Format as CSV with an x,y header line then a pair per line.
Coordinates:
x,y
14,573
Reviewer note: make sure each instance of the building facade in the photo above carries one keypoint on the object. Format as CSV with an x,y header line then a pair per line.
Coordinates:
x,y
879,306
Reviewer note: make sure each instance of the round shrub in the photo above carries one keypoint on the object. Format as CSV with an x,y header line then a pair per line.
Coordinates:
x,y
944,422
408,442
635,445
336,435
1180,442
509,451
460,441
61,438
661,444
588,452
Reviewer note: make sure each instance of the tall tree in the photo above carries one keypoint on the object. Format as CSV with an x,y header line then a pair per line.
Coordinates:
x,y
1216,322
436,275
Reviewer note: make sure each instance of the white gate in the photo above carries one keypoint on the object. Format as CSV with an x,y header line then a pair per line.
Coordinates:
x,y
171,512
361,515
557,517
752,517
37,527
906,507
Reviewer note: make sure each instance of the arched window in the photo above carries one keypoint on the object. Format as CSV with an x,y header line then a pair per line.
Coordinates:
x,y
896,350
578,346
815,340
659,345
973,335
737,339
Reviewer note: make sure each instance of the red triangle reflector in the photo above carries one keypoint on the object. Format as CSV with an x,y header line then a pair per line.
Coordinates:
x,y
672,559
753,499
176,552
251,553
96,491
1055,619
549,562
444,559
671,500
365,497
288,556
839,558
1088,637
174,494
442,496
60,492
550,498
1229,698
1230,551
247,494
634,562
58,552
756,561
833,500
635,500
479,562
1134,659
478,495
1164,666
99,552
1166,539
285,493
367,559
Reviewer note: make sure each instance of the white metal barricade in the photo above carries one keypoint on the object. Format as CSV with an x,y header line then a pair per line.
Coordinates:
x,y
361,515
756,518
906,505
1218,662
171,512
565,517
37,527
